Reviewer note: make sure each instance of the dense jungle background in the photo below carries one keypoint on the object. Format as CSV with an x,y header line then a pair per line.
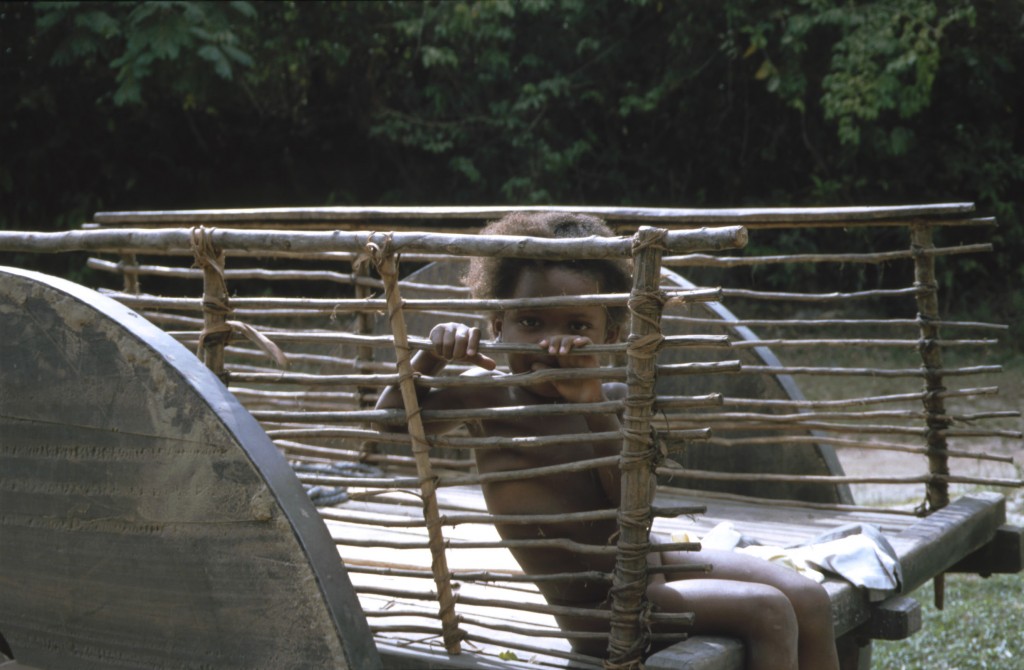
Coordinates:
x,y
703,103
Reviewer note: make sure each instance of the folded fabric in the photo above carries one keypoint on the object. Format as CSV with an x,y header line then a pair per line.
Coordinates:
x,y
858,553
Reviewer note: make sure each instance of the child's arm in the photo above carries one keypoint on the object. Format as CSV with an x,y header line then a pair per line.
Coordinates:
x,y
453,342
589,391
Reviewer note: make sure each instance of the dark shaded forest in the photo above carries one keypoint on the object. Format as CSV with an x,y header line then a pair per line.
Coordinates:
x,y
705,103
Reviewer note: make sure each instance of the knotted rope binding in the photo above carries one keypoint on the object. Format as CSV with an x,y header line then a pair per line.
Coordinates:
x,y
217,327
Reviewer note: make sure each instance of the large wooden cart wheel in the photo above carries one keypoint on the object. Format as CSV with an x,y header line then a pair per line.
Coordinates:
x,y
146,520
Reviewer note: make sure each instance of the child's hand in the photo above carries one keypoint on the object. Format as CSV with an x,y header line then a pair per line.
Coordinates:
x,y
573,390
457,342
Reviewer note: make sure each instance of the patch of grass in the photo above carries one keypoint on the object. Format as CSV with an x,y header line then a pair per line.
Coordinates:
x,y
979,628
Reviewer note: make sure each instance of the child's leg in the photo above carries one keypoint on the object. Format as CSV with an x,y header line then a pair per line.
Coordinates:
x,y
758,614
808,601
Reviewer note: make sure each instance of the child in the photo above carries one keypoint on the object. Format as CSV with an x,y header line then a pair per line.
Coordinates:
x,y
784,618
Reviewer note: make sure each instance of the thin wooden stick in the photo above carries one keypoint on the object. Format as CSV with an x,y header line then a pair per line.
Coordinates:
x,y
870,372
853,402
804,323
779,440
537,608
382,341
464,480
799,504
540,543
336,306
351,516
879,429
818,297
837,479
126,267
704,260
384,259
398,416
857,342
332,454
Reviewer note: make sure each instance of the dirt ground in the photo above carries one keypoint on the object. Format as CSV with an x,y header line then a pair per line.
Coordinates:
x,y
1010,398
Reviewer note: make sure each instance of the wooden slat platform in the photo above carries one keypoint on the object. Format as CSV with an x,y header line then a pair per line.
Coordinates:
x,y
926,546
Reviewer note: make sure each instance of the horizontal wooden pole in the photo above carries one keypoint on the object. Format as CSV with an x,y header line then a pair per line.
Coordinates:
x,y
745,216
703,260
509,246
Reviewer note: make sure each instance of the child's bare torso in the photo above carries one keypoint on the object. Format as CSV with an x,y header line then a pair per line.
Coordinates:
x,y
560,493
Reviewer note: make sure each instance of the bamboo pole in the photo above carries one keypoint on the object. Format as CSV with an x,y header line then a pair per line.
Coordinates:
x,y
383,258
627,636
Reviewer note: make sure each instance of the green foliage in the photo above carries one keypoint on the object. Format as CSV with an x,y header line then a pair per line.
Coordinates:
x,y
976,630
134,37
731,103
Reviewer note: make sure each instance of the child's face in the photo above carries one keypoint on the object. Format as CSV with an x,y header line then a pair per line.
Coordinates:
x,y
532,326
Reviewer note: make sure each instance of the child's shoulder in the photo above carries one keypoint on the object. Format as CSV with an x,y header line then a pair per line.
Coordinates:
x,y
615,390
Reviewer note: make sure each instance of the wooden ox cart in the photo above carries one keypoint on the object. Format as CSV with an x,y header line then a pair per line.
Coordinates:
x,y
156,512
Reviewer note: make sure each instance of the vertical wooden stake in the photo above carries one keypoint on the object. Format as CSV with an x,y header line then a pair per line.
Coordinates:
x,y
130,272
936,491
364,354
216,330
387,267
931,357
628,636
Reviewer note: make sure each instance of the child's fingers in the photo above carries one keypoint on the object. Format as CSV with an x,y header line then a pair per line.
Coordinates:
x,y
564,344
459,342
485,362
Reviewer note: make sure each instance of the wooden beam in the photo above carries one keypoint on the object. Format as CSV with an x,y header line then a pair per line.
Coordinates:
x,y
1004,555
938,542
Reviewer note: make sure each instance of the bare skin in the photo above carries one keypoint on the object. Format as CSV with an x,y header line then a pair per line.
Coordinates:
x,y
784,618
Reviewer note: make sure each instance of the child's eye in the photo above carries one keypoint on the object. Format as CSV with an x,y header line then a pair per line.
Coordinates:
x,y
578,326
529,322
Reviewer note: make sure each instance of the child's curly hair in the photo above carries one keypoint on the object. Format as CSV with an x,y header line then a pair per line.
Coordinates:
x,y
490,277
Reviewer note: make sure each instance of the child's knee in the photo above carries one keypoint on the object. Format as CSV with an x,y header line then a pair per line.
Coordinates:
x,y
771,613
813,606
